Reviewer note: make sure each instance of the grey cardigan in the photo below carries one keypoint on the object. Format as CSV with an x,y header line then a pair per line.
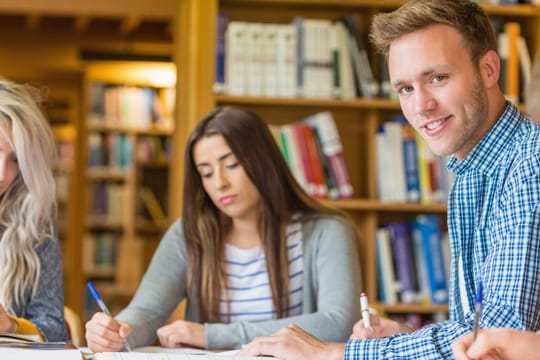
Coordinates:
x,y
331,289
46,309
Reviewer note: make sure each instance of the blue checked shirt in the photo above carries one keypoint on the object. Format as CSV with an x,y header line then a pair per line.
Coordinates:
x,y
494,227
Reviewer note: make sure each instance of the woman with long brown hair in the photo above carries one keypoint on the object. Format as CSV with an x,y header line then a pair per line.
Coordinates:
x,y
251,254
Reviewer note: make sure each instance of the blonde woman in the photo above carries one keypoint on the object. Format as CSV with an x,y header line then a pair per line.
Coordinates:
x,y
31,289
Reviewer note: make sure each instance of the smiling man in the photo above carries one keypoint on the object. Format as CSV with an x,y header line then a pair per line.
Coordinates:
x,y
444,65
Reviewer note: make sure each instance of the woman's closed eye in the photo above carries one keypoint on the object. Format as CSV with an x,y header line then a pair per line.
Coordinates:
x,y
232,165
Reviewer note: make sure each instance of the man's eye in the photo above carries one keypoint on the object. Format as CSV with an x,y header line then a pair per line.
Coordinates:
x,y
405,90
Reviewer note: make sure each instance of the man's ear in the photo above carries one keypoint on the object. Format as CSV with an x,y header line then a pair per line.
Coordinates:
x,y
490,68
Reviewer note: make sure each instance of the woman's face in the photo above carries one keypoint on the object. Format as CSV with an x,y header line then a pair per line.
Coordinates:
x,y
9,165
224,179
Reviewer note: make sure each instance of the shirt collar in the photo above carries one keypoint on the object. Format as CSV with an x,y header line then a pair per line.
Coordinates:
x,y
485,155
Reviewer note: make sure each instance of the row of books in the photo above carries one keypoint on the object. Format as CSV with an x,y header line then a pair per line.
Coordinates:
x,y
131,106
100,252
308,57
106,201
407,170
110,149
413,261
314,153
153,149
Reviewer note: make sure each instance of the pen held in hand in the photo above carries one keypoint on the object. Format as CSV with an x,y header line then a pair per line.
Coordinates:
x,y
477,309
364,307
103,307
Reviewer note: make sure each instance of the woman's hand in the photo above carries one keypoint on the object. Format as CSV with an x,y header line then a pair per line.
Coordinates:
x,y
7,324
181,333
103,333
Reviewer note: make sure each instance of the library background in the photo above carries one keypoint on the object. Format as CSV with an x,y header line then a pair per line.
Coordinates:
x,y
124,82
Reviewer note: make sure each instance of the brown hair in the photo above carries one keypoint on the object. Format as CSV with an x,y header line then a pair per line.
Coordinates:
x,y
465,16
205,227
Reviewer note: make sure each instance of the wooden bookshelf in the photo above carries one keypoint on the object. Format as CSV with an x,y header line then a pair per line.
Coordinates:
x,y
357,120
125,147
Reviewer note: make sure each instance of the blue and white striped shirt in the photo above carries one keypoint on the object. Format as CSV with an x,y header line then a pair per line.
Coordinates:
x,y
494,228
248,286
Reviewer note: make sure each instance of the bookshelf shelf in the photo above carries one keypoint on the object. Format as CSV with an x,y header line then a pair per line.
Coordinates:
x,y
375,205
378,104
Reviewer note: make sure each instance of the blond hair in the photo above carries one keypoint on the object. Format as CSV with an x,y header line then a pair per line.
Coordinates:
x,y
28,206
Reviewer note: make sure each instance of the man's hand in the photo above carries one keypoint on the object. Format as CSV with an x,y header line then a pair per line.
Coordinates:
x,y
293,343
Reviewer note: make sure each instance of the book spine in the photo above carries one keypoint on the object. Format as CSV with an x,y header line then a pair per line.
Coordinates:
x,y
304,158
385,265
321,189
333,151
220,85
410,158
428,225
401,246
512,65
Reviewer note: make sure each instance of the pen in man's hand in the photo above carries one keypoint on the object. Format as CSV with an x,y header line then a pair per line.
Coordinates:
x,y
103,307
364,307
477,309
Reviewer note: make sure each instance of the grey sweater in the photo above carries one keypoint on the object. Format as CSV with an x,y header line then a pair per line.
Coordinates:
x,y
331,288
46,309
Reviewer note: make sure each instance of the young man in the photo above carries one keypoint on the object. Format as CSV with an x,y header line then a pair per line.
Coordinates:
x,y
443,64
505,343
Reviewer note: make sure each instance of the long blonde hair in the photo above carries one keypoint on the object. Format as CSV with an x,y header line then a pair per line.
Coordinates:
x,y
28,206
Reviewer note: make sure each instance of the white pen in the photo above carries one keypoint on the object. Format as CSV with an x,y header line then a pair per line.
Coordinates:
x,y
365,310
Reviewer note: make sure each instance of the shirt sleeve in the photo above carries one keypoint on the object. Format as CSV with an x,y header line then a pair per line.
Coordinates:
x,y
46,309
332,265
163,286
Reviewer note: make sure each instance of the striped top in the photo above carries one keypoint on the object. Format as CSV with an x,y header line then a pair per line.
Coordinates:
x,y
248,286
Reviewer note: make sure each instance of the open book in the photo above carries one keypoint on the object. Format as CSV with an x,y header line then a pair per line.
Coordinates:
x,y
159,353
29,347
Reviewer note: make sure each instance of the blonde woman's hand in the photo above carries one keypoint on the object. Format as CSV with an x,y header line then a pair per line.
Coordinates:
x,y
7,324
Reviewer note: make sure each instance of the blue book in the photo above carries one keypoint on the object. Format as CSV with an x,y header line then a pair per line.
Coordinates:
x,y
404,261
427,228
410,161
221,48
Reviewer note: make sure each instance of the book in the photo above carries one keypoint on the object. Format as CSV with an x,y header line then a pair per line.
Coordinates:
x,y
404,261
333,150
385,267
236,58
29,347
368,86
221,29
152,205
160,353
427,229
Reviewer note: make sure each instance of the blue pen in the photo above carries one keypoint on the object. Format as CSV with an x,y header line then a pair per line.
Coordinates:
x,y
477,308
102,306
